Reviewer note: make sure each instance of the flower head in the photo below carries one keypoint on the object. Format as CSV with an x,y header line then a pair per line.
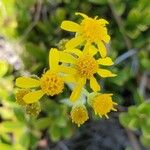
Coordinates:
x,y
79,114
90,30
103,104
51,83
84,66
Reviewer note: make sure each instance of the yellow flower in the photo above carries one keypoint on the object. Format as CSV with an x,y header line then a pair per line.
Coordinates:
x,y
51,83
103,104
83,67
90,30
79,114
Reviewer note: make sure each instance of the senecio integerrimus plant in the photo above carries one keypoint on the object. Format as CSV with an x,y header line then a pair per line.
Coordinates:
x,y
76,64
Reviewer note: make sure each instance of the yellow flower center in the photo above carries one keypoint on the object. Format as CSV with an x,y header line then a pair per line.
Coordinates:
x,y
93,30
103,104
86,66
79,115
51,83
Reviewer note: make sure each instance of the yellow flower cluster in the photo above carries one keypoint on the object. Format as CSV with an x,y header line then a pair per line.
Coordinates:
x,y
31,109
79,62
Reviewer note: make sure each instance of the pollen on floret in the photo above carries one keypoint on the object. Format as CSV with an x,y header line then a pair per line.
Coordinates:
x,y
93,30
19,96
51,83
103,104
86,66
79,114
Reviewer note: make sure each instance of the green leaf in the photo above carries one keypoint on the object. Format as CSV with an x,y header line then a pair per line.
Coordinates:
x,y
124,119
145,62
60,14
142,27
61,121
144,109
129,121
122,77
137,97
145,127
3,68
33,140
120,8
19,113
145,140
55,133
5,138
6,113
50,107
43,123
134,124
132,111
6,147
134,17
67,132
10,126
25,140
36,51
133,33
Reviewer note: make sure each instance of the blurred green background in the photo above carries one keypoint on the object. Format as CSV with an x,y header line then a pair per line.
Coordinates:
x,y
28,29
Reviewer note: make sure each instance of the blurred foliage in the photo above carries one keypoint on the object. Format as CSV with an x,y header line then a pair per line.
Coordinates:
x,y
138,118
13,124
34,25
57,120
25,130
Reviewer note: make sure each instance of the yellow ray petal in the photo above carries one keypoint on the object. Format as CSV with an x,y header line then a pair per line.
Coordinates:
x,y
103,21
67,58
74,42
94,85
77,90
69,78
81,14
105,73
115,103
70,26
114,109
53,58
74,51
108,94
26,82
86,47
67,70
106,38
106,116
105,61
92,50
102,49
33,96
